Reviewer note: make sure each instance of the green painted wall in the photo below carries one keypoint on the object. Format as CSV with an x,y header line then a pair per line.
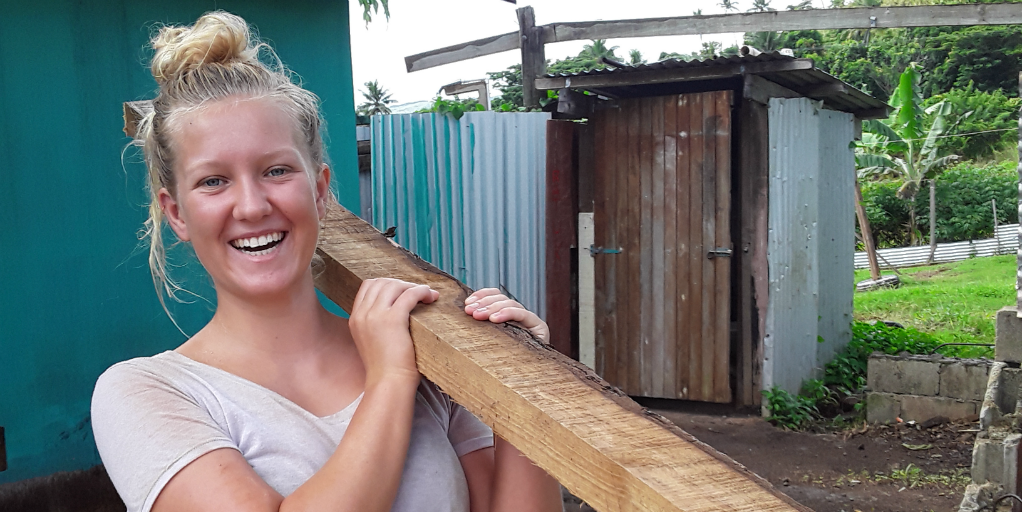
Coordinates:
x,y
75,291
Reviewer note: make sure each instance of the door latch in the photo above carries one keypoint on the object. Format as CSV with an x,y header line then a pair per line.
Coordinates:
x,y
595,250
720,252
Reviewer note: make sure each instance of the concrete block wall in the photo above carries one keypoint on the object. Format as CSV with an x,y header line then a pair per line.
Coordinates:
x,y
919,388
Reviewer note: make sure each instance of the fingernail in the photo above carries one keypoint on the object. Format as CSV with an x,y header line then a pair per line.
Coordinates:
x,y
482,310
471,298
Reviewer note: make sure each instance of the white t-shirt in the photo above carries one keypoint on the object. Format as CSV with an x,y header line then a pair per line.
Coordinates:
x,y
152,416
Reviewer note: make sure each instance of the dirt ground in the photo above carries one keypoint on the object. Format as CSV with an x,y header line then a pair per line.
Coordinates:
x,y
864,468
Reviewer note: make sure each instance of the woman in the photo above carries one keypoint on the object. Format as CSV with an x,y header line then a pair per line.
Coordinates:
x,y
276,404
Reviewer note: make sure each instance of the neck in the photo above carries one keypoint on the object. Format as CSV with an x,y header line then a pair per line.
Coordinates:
x,y
292,323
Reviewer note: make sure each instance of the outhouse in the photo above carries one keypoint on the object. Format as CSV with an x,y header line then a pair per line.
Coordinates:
x,y
722,199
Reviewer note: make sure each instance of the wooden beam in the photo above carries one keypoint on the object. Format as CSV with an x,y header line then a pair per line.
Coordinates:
x,y
809,19
596,441
531,40
462,51
760,90
660,76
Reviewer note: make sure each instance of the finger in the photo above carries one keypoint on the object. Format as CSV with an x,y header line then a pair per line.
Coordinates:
x,y
367,293
490,303
481,293
484,312
390,290
527,318
414,295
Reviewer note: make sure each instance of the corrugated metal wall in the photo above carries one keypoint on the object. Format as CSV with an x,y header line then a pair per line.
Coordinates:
x,y
835,232
810,239
466,195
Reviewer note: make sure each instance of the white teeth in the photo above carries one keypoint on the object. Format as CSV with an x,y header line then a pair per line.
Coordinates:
x,y
259,241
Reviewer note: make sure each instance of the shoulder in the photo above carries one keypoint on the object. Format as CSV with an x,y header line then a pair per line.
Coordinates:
x,y
140,375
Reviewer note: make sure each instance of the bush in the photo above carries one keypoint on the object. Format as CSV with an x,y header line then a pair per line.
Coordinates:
x,y
992,123
848,371
963,211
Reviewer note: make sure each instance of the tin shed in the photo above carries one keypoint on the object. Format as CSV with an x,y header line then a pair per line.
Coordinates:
x,y
722,194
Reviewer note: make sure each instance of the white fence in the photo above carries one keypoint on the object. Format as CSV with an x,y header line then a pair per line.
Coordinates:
x,y
1007,241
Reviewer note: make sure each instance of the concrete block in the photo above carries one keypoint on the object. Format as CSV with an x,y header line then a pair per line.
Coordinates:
x,y
1008,335
1011,461
923,408
963,381
903,376
1009,393
882,407
882,374
987,460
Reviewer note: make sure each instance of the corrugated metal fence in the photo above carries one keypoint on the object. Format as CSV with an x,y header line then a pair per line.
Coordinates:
x,y
1007,241
466,195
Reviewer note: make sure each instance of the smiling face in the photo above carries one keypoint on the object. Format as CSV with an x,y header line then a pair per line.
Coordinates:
x,y
246,196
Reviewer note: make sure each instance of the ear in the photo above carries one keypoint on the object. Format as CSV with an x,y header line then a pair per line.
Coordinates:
x,y
172,211
323,190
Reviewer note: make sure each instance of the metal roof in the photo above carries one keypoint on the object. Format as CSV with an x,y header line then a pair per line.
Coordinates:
x,y
798,75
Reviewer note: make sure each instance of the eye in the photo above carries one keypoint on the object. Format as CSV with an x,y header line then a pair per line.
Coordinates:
x,y
212,182
277,172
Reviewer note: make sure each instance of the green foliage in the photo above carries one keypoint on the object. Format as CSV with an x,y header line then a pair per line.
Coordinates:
x,y
954,302
374,5
510,83
990,126
963,195
788,410
847,372
454,107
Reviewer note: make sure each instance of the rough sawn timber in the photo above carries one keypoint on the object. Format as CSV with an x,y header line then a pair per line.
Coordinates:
x,y
597,442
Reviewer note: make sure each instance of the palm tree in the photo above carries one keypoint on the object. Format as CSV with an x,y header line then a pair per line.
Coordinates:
x,y
767,42
900,147
635,58
801,6
761,6
598,49
729,5
377,100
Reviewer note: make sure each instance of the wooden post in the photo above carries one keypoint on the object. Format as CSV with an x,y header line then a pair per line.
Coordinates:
x,y
865,232
931,221
560,234
531,46
597,442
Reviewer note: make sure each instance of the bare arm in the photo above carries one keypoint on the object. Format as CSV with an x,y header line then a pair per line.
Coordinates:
x,y
501,479
365,470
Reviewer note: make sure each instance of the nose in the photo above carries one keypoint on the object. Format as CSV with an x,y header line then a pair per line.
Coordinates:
x,y
251,202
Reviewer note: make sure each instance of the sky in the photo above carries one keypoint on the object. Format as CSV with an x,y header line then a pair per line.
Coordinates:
x,y
379,50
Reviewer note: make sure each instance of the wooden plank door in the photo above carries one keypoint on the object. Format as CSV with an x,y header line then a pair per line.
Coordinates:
x,y
662,243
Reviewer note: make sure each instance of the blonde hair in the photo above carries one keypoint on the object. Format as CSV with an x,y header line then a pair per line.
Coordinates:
x,y
216,58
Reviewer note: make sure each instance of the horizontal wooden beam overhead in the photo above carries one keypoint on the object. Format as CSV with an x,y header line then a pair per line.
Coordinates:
x,y
666,75
597,442
463,51
810,19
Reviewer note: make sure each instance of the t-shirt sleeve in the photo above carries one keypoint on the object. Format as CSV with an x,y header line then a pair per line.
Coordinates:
x,y
466,432
147,430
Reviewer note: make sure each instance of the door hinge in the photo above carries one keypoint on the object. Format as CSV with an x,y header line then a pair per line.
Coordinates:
x,y
595,250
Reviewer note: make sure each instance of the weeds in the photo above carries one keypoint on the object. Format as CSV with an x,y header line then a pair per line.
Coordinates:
x,y
788,410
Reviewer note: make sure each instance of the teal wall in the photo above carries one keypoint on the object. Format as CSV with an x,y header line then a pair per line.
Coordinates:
x,y
75,290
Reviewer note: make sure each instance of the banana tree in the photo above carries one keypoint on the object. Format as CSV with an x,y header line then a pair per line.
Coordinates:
x,y
900,147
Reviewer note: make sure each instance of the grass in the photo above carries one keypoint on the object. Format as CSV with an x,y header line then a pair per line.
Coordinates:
x,y
955,302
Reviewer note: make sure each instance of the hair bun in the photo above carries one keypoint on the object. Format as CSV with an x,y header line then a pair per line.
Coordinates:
x,y
216,38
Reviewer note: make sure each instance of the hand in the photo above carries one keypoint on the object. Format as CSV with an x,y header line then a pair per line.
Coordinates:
x,y
490,304
380,327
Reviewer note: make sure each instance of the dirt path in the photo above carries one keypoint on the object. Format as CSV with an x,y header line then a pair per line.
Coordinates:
x,y
861,469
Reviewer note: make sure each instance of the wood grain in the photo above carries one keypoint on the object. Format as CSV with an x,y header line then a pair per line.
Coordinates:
x,y
595,441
